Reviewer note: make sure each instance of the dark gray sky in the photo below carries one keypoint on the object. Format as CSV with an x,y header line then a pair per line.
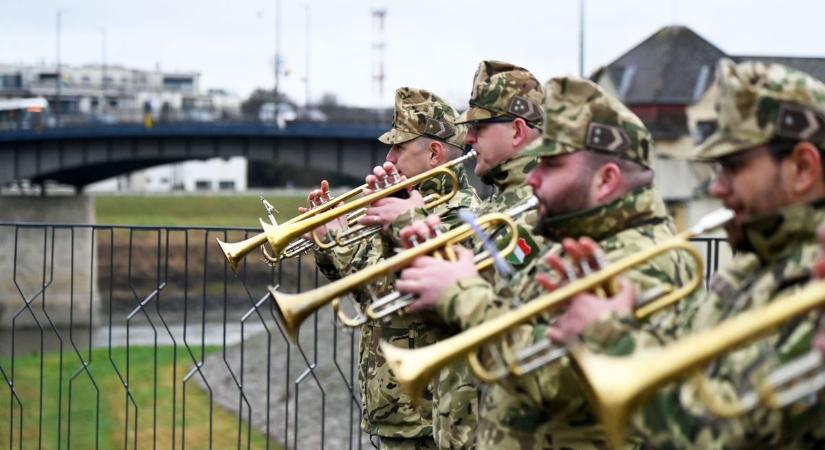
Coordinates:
x,y
434,44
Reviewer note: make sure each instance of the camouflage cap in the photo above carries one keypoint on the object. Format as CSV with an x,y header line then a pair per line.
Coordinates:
x,y
579,115
502,89
757,102
422,113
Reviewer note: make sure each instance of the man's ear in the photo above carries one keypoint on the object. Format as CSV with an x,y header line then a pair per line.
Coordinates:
x,y
607,183
806,166
521,132
436,153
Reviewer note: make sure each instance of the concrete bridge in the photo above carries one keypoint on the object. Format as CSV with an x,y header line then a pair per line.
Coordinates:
x,y
79,156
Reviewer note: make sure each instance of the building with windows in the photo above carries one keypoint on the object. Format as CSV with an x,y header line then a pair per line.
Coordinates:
x,y
117,94
211,175
104,94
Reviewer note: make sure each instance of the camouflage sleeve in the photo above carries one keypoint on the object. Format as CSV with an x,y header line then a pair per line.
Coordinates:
x,y
468,303
325,260
341,261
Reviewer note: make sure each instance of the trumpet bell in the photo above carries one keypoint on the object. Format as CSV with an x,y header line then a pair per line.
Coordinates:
x,y
290,316
230,252
613,388
618,385
236,251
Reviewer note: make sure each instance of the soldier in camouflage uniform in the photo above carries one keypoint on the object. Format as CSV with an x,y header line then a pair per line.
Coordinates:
x,y
768,152
503,118
593,179
423,135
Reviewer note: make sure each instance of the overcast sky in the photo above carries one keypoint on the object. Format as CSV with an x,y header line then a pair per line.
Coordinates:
x,y
434,44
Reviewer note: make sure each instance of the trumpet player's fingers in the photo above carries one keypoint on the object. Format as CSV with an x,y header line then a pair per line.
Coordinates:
x,y
370,218
372,184
380,177
325,195
407,235
392,172
586,309
593,251
313,198
424,230
415,280
428,277
432,221
415,233
566,270
585,254
573,250
544,281
384,211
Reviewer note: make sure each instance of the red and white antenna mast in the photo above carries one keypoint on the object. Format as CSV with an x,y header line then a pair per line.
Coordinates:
x,y
378,46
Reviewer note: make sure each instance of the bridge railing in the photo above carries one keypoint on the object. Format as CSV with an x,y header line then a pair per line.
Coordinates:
x,y
142,337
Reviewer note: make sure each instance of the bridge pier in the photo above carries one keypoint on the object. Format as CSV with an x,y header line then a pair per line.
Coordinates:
x,y
50,268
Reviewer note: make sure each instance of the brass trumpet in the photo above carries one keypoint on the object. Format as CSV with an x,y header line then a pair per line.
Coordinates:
x,y
618,385
414,368
394,302
294,308
544,352
236,251
279,237
285,240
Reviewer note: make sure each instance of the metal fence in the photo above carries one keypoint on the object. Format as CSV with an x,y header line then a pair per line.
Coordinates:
x,y
142,337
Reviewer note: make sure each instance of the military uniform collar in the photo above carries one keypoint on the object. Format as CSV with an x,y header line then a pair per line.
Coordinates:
x,y
643,205
440,184
770,236
510,173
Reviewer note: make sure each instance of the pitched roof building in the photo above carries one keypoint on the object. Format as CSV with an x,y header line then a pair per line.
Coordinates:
x,y
671,70
666,78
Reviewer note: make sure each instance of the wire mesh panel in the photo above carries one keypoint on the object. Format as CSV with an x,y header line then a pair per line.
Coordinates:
x,y
129,337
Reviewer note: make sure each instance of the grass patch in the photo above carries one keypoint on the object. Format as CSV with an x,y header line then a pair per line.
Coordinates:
x,y
173,210
76,428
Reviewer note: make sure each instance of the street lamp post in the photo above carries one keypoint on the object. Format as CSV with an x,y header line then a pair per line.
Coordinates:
x,y
58,74
277,56
581,38
103,81
306,71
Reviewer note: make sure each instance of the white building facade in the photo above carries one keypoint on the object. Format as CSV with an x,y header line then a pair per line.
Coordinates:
x,y
212,175
103,94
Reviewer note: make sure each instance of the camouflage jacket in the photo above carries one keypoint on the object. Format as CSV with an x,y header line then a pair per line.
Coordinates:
x,y
510,191
456,396
387,410
784,248
547,408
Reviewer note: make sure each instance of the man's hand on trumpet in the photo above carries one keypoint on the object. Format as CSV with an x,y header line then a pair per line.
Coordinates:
x,y
582,256
316,198
384,211
428,276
